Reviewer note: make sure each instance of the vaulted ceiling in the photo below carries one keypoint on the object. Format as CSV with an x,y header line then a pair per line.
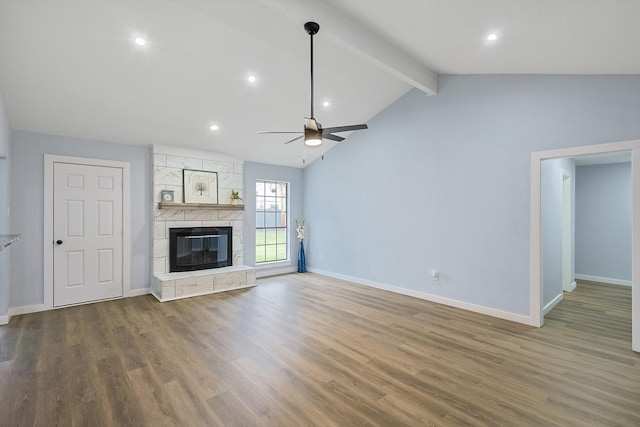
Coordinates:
x,y
72,68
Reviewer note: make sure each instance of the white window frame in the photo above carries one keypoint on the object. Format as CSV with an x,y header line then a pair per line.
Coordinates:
x,y
286,260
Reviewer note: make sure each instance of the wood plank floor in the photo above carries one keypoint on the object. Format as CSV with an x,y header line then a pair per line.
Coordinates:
x,y
305,350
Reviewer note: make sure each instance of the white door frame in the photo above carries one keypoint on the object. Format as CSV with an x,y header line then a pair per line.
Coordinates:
x,y
535,239
568,245
49,160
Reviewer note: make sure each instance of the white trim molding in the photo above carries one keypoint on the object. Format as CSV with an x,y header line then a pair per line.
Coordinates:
x,y
547,308
275,271
26,309
275,268
536,309
49,161
606,280
136,292
513,317
15,311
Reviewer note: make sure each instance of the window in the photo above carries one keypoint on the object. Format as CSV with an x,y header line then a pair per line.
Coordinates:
x,y
271,221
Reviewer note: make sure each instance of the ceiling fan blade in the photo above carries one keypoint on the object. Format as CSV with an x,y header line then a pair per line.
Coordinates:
x,y
332,137
295,139
311,123
269,132
344,128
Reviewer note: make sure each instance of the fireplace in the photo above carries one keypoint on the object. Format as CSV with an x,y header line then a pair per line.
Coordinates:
x,y
200,248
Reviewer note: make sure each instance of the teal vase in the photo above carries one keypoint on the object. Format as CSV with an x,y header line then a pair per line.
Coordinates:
x,y
302,262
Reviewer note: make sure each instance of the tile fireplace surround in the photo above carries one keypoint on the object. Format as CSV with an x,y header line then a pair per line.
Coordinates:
x,y
168,163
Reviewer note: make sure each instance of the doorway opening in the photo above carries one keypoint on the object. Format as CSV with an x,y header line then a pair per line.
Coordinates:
x,y
631,149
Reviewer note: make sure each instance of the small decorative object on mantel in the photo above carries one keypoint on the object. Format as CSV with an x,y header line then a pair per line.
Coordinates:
x,y
200,186
167,196
235,197
302,262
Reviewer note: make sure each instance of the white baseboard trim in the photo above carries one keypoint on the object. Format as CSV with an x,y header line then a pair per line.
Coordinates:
x,y
572,287
603,280
15,311
547,308
518,318
137,292
276,271
26,309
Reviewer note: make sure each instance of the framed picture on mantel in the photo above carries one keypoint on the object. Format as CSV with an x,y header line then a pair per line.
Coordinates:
x,y
200,186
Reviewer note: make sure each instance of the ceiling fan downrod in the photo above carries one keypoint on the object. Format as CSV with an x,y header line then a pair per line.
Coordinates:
x,y
312,29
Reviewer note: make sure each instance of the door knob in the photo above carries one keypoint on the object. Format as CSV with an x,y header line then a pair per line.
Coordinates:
x,y
58,242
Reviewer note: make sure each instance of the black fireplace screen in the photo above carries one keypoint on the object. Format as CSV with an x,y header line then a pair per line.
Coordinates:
x,y
199,248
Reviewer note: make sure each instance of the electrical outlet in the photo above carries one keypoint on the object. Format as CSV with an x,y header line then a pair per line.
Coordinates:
x,y
434,275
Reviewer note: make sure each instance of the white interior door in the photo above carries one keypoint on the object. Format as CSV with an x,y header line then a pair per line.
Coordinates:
x,y
87,233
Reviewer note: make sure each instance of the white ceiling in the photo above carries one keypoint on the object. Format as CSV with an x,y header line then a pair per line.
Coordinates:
x,y
70,67
536,36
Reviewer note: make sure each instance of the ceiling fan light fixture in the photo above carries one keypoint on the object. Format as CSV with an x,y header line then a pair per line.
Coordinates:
x,y
312,138
313,142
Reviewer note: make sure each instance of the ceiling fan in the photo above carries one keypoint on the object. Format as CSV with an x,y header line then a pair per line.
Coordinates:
x,y
313,132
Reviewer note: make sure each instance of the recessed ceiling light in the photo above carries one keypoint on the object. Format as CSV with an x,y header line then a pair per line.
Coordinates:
x,y
214,127
251,79
326,104
140,41
492,37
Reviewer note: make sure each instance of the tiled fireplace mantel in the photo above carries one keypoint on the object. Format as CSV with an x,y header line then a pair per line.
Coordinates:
x,y
168,164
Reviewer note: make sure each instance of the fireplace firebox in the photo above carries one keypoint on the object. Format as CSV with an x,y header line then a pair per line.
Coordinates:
x,y
200,248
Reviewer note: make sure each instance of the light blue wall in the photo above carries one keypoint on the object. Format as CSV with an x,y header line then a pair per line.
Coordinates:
x,y
553,171
603,221
444,182
27,192
5,255
252,172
